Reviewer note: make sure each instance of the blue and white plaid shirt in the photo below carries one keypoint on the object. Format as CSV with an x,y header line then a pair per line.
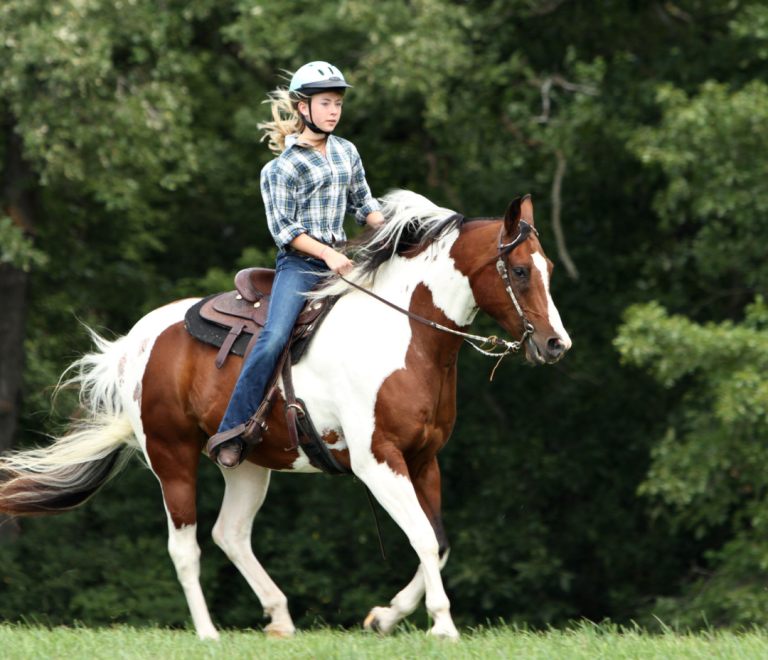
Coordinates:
x,y
307,193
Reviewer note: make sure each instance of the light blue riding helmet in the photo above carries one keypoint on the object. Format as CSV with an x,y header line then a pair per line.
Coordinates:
x,y
317,77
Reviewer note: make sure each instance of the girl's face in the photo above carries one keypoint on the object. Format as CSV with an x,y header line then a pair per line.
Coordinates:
x,y
326,110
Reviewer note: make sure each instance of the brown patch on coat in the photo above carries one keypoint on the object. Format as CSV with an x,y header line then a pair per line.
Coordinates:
x,y
200,394
426,482
174,441
416,405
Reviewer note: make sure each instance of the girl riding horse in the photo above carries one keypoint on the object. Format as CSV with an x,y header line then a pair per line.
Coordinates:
x,y
316,179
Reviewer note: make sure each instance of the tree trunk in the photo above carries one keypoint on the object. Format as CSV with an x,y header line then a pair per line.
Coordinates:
x,y
19,201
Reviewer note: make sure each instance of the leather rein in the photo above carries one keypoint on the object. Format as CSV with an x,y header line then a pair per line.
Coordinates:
x,y
503,250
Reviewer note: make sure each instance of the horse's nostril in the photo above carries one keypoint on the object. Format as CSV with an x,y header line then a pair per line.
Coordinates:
x,y
555,346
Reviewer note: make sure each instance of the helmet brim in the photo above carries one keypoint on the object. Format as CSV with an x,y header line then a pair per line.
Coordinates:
x,y
322,85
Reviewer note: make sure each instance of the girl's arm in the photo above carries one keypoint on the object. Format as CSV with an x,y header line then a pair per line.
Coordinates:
x,y
278,189
360,202
337,262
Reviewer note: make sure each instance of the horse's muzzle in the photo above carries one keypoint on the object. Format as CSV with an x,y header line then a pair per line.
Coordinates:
x,y
551,351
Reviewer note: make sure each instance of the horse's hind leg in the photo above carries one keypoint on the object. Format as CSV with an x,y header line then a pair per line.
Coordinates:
x,y
245,492
426,483
175,462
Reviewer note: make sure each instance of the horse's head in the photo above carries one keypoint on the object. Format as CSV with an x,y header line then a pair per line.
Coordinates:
x,y
509,275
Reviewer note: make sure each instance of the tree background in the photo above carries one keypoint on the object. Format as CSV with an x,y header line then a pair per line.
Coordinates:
x,y
627,482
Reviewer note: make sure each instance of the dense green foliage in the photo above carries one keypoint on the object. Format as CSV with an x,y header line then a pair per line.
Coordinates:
x,y
596,488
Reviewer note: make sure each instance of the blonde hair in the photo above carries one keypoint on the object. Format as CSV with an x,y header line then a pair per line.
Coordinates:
x,y
286,115
287,119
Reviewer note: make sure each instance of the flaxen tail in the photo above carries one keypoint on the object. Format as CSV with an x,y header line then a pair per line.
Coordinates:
x,y
59,477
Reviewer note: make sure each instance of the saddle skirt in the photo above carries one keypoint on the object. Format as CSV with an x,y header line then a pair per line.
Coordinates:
x,y
233,321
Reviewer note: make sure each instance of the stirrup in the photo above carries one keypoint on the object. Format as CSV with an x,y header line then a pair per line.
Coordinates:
x,y
246,435
254,427
215,443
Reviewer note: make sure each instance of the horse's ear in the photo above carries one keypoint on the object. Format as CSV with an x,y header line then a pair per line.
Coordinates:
x,y
526,210
512,217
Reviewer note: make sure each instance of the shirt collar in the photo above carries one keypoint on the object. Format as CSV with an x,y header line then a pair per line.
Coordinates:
x,y
291,140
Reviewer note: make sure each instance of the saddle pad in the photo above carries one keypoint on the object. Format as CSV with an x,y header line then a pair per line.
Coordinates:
x,y
211,333
215,335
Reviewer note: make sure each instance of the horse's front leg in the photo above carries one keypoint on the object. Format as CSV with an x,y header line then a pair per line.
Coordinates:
x,y
405,500
426,482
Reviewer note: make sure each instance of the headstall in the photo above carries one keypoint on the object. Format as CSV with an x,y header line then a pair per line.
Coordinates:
x,y
524,231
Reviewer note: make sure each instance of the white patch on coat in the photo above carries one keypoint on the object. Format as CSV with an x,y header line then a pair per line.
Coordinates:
x,y
138,348
301,464
554,316
451,291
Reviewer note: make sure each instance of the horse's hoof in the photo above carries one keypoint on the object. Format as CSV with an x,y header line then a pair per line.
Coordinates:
x,y
278,634
275,633
445,635
381,620
371,624
209,636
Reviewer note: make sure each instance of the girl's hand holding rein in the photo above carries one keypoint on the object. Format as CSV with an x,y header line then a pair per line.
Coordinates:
x,y
337,262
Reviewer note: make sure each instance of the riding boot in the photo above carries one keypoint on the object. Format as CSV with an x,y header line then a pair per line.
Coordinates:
x,y
228,454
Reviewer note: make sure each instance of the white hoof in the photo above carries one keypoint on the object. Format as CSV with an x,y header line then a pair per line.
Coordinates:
x,y
273,631
380,620
211,634
446,632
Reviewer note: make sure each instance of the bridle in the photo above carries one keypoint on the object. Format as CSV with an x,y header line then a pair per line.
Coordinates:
x,y
524,232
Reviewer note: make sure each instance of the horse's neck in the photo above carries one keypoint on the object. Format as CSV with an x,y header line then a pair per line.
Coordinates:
x,y
451,298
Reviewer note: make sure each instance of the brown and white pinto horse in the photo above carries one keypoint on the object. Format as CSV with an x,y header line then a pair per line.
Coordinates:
x,y
381,389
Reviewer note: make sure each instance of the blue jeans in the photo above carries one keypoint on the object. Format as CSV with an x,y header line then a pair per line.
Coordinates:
x,y
295,275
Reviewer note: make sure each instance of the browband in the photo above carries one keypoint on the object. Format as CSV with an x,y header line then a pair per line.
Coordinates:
x,y
524,231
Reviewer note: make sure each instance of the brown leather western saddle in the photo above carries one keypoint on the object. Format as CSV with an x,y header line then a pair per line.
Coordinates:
x,y
244,312
226,320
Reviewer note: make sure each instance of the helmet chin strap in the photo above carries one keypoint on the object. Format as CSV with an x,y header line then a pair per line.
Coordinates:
x,y
310,123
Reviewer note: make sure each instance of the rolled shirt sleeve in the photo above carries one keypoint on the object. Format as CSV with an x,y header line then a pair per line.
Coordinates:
x,y
278,189
360,202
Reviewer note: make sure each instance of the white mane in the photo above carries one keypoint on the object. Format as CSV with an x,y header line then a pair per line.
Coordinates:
x,y
403,211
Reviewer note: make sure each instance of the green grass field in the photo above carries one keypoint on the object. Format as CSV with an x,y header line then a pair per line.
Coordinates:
x,y
583,642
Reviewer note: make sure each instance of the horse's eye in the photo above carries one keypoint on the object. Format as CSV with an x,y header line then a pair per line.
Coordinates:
x,y
519,272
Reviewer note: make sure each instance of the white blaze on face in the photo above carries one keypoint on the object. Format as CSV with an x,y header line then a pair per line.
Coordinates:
x,y
554,316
